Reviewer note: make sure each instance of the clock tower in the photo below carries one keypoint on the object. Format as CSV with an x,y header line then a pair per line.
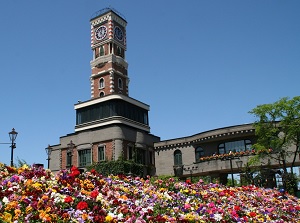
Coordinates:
x,y
110,125
108,42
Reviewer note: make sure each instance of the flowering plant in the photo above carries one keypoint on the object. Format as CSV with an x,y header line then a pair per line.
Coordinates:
x,y
227,155
30,194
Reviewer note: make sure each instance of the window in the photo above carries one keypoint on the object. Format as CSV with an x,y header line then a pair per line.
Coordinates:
x,y
101,83
111,108
101,94
84,157
69,159
130,152
120,83
101,153
140,156
151,157
177,158
101,50
199,152
119,51
235,146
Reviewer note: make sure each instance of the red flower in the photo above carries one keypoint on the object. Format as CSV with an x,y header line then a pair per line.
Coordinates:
x,y
68,199
74,172
252,214
82,205
93,171
237,208
94,194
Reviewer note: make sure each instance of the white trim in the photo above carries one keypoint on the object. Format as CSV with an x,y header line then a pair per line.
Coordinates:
x,y
110,97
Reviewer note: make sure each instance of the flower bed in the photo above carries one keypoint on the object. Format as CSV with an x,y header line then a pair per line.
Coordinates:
x,y
37,195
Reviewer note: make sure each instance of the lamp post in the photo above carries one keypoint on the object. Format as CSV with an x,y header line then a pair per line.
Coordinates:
x,y
191,170
230,158
70,149
232,179
12,135
48,152
239,164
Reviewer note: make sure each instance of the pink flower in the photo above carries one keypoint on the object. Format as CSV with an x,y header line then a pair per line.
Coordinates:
x,y
187,206
211,205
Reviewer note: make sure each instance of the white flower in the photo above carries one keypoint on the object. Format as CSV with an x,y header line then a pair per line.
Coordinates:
x,y
120,216
5,200
99,197
218,217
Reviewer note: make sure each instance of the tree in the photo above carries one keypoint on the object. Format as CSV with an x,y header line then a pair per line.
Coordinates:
x,y
278,134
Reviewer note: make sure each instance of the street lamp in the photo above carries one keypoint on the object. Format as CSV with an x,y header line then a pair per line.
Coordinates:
x,y
230,158
191,170
12,135
70,149
239,164
48,152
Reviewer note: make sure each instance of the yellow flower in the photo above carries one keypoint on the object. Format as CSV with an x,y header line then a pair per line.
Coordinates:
x,y
108,218
7,217
28,209
11,205
17,212
84,216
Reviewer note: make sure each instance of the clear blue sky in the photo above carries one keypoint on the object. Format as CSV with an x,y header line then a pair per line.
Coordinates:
x,y
200,65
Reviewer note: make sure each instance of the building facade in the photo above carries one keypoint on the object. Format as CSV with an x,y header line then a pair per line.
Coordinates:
x,y
217,153
111,125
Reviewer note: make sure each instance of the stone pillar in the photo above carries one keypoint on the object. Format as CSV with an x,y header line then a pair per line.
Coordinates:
x,y
118,148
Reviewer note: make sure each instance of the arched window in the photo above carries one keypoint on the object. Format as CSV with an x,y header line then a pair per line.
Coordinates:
x,y
177,158
102,52
101,94
199,152
235,146
120,83
101,83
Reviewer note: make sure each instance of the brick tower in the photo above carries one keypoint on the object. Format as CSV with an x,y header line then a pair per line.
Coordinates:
x,y
108,42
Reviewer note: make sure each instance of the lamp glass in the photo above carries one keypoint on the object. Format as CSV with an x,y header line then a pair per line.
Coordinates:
x,y
48,150
13,135
239,164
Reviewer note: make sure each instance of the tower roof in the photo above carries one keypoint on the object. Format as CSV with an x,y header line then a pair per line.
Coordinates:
x,y
106,10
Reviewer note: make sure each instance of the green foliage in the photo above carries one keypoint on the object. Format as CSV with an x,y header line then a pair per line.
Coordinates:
x,y
119,166
291,181
20,162
278,128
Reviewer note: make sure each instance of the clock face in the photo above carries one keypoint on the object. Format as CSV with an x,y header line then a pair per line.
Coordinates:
x,y
119,33
101,32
